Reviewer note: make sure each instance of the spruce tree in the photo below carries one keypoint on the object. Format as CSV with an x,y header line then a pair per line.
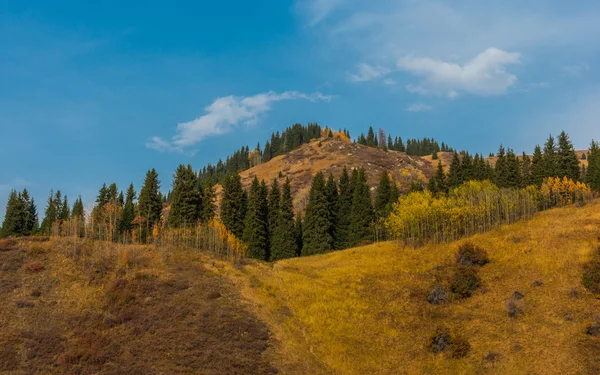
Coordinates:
x,y
441,182
567,159
14,216
150,203
50,214
550,161
526,173
65,210
341,238
331,191
592,175
538,172
283,239
255,229
455,174
77,210
186,200
233,205
513,170
299,234
501,168
208,200
274,202
383,196
371,140
362,214
316,237
467,167
128,213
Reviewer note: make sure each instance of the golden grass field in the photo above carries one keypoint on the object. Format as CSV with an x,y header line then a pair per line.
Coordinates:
x,y
364,310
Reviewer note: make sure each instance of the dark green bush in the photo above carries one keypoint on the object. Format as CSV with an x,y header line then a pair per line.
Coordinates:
x,y
460,347
442,341
591,276
471,255
465,281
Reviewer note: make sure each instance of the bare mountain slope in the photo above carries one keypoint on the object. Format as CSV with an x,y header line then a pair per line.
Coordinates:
x,y
330,155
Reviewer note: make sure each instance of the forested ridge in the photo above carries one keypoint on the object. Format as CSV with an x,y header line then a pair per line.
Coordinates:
x,y
341,211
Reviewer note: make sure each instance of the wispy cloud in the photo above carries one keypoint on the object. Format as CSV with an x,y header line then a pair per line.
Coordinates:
x,y
224,115
317,10
419,107
576,70
483,75
366,72
15,183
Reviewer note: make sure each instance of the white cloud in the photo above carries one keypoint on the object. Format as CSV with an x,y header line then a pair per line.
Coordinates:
x,y
576,70
483,75
224,115
317,10
366,72
419,107
389,82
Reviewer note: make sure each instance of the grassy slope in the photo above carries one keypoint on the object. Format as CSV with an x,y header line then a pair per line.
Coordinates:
x,y
363,310
101,308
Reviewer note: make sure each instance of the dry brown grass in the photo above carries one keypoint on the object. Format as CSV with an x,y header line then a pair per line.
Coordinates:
x,y
364,310
302,164
73,307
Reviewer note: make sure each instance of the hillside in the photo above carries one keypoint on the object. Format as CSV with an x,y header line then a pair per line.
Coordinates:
x,y
364,310
446,158
331,155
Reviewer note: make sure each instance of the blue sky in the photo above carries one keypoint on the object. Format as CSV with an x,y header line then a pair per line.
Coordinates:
x,y
101,92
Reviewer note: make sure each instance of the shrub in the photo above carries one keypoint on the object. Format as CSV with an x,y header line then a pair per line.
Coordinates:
x,y
471,255
594,328
22,303
440,341
514,305
491,357
438,295
460,347
591,276
465,281
34,267
8,244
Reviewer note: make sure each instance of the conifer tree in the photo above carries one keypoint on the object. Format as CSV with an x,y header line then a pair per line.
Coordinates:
x,y
77,210
31,215
150,203
592,175
274,202
371,140
331,192
441,183
299,234
341,238
186,200
567,159
316,237
455,175
128,213
255,229
501,168
208,200
467,167
550,158
513,170
537,166
383,196
15,216
526,173
283,240
362,214
50,215
233,205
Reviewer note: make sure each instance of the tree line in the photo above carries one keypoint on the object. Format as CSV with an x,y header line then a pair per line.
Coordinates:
x,y
413,147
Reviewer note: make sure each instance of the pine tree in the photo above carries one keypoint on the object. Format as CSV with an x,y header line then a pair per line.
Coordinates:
x,y
77,210
186,205
150,203
316,235
537,166
50,215
513,170
526,173
501,168
65,211
274,201
455,174
550,161
441,182
567,160
331,192
128,213
208,200
341,238
283,239
362,214
255,229
383,196
299,234
14,216
592,176
233,205
371,140
467,167
31,215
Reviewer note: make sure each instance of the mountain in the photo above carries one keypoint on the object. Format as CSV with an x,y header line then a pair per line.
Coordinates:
x,y
331,155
